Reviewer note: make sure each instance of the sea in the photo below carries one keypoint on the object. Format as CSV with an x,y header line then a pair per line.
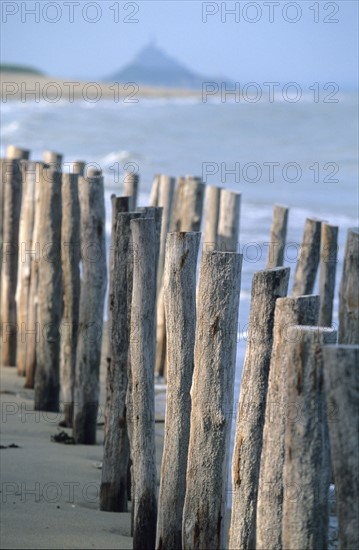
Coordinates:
x,y
303,154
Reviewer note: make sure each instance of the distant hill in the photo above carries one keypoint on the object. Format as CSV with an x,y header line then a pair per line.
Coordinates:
x,y
11,68
153,67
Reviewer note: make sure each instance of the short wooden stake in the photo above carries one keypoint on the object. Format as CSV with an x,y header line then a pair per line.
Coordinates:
x,y
278,235
348,292
308,260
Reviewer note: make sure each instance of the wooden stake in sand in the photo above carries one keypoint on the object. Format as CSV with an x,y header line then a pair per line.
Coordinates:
x,y
211,217
78,167
165,200
180,304
204,512
307,456
31,172
348,293
154,191
113,495
16,153
12,181
142,349
328,266
49,294
308,260
302,310
32,334
70,256
53,159
278,235
93,288
228,222
267,286
188,205
341,376
130,188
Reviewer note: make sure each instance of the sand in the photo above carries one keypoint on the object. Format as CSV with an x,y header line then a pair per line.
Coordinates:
x,y
50,491
27,87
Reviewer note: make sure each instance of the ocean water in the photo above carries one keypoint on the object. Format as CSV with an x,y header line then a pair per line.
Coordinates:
x,y
301,154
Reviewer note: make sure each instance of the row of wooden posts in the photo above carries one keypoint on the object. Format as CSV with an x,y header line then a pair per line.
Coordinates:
x,y
298,407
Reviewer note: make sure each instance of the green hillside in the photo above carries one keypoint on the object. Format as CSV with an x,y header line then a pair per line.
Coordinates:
x,y
11,68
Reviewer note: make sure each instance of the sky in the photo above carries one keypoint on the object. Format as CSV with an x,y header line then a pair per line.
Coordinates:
x,y
303,41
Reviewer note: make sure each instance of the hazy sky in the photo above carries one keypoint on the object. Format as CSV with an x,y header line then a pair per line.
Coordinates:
x,y
272,41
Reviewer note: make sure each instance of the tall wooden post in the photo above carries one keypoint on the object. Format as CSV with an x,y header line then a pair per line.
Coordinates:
x,y
31,172
278,235
341,376
70,257
307,456
130,188
166,193
267,286
12,178
142,349
228,222
53,159
78,167
93,288
328,266
47,376
348,292
180,304
16,153
154,191
211,217
289,311
204,512
308,260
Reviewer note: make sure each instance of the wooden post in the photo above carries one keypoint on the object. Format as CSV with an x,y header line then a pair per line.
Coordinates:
x,y
307,456
24,263
11,177
130,188
348,293
154,191
16,153
54,160
278,235
267,286
308,260
180,305
192,206
47,376
302,310
70,257
211,217
93,288
228,222
204,512
32,330
78,167
341,376
165,200
142,349
328,266
113,494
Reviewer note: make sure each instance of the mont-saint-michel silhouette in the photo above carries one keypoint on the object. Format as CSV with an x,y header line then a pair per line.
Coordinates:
x,y
154,67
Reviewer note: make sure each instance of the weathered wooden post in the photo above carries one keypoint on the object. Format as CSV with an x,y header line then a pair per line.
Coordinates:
x,y
289,311
348,293
142,350
93,288
12,181
192,207
32,331
16,153
211,217
70,257
130,188
267,286
78,167
180,305
53,159
308,260
49,307
113,494
166,192
328,266
228,222
24,262
278,235
154,191
307,456
204,512
341,376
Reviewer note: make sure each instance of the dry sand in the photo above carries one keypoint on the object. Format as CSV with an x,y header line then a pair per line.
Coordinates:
x,y
25,87
50,491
